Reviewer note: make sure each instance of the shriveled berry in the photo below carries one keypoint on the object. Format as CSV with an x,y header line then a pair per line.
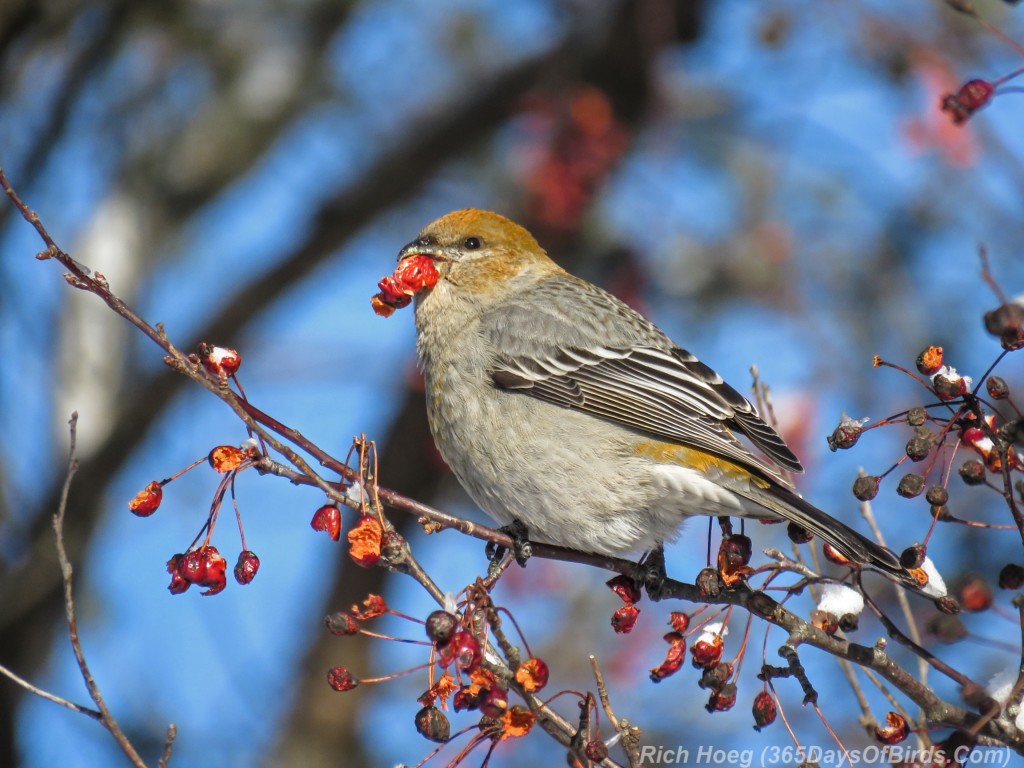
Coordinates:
x,y
917,415
707,651
328,520
845,436
494,702
466,650
764,710
673,657
624,619
220,361
949,387
895,730
736,550
596,750
625,588
972,472
865,487
440,626
709,582
723,699
937,495
432,724
918,447
1011,576
1007,322
147,500
798,534
997,388
246,567
679,621
340,679
532,674
715,677
972,96
341,623
929,361
910,485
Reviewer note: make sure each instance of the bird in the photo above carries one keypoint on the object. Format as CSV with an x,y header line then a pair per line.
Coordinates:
x,y
572,420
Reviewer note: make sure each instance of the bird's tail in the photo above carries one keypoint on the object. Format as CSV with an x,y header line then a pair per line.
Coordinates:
x,y
848,542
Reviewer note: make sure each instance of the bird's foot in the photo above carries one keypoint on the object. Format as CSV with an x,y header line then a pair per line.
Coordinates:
x,y
652,570
521,548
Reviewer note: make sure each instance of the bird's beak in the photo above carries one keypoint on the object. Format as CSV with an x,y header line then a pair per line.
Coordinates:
x,y
423,246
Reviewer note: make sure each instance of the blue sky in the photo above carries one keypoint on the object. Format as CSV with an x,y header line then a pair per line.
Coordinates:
x,y
817,118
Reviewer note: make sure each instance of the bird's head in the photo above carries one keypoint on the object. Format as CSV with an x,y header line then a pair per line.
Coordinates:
x,y
480,251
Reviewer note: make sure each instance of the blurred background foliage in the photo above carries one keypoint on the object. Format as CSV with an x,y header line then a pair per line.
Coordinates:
x,y
772,182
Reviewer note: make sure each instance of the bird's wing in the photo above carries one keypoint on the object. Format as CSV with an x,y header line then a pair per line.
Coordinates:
x,y
652,386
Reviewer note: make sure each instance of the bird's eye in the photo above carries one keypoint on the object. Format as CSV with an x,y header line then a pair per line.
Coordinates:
x,y
471,243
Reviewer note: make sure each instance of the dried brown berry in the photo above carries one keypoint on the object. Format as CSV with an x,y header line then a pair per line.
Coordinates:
x,y
764,710
715,677
440,627
723,699
937,495
709,583
1007,322
949,387
341,623
997,388
972,472
1011,576
916,416
798,534
432,724
845,436
910,485
918,447
596,751
865,487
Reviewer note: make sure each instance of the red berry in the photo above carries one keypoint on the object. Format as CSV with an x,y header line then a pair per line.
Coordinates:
x,y
147,500
246,567
327,519
624,619
340,679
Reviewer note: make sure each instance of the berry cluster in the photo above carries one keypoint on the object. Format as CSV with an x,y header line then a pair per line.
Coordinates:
x,y
463,643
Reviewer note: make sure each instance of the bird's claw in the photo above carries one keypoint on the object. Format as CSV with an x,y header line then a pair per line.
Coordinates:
x,y
652,570
521,548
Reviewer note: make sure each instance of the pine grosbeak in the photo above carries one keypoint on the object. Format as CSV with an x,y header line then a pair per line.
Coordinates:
x,y
560,408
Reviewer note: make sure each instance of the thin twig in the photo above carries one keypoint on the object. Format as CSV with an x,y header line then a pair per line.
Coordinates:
x,y
106,718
